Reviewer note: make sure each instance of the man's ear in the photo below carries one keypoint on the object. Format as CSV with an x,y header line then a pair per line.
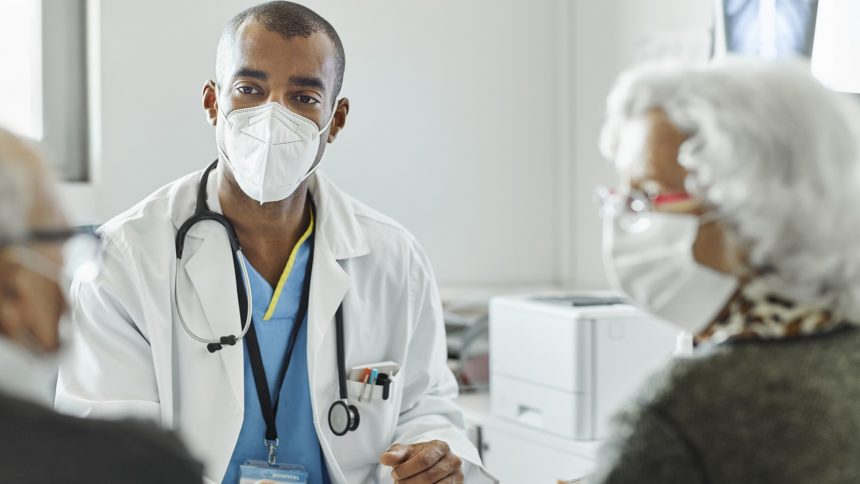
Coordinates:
x,y
339,121
210,102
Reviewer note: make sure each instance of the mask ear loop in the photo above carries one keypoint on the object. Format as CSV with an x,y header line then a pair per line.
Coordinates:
x,y
330,119
221,152
324,129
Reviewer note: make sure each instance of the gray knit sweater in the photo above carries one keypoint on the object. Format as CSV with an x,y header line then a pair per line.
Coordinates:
x,y
784,412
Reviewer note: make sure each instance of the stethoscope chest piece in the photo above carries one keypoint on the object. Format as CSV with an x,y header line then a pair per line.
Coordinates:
x,y
343,418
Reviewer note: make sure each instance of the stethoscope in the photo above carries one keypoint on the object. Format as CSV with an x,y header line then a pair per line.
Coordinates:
x,y
342,416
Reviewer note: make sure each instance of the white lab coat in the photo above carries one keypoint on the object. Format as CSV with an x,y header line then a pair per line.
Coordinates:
x,y
129,356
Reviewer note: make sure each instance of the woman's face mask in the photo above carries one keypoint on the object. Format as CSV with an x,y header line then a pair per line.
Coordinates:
x,y
649,257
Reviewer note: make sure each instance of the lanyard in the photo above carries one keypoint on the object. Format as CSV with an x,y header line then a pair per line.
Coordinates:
x,y
269,409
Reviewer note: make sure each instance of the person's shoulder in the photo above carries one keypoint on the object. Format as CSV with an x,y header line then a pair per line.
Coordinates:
x,y
383,227
707,375
383,233
155,210
683,387
726,400
743,367
391,241
140,444
775,380
83,450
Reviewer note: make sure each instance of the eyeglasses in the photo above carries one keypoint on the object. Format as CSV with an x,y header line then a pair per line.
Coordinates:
x,y
80,248
631,208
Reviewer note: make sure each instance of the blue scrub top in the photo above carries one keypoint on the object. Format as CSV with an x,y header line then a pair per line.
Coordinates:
x,y
273,317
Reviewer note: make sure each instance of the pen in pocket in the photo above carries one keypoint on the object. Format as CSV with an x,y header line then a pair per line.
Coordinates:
x,y
385,381
371,381
365,378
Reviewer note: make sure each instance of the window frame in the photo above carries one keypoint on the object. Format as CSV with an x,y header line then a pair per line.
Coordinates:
x,y
65,117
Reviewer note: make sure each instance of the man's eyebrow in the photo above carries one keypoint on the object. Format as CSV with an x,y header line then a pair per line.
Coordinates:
x,y
308,81
252,73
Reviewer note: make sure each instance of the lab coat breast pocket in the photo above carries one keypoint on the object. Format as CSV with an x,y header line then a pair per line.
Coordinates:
x,y
378,422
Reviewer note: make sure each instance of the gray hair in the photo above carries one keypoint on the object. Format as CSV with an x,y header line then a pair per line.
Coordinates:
x,y
16,186
776,153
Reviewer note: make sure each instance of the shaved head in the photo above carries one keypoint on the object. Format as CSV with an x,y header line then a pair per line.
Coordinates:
x,y
287,19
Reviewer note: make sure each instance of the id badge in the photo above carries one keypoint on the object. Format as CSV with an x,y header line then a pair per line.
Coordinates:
x,y
259,472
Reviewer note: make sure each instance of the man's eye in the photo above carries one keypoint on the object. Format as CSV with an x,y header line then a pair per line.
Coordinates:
x,y
246,90
305,99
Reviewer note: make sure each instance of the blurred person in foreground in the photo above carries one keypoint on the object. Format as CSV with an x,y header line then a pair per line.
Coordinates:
x,y
737,220
39,253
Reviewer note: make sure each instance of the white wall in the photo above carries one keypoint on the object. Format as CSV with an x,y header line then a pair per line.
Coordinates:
x,y
473,123
607,37
453,128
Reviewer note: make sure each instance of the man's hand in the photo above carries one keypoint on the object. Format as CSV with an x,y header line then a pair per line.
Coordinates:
x,y
427,462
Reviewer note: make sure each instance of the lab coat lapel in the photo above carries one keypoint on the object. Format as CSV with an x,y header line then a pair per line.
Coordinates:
x,y
210,269
338,237
329,284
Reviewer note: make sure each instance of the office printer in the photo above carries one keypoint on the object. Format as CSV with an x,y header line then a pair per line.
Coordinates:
x,y
564,364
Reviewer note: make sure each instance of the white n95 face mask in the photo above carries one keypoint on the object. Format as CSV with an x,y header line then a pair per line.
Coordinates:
x,y
269,148
655,267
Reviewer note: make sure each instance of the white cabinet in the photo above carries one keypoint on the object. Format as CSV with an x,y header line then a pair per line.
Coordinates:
x,y
518,454
564,364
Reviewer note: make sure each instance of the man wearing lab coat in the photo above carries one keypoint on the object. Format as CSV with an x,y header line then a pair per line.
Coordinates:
x,y
137,346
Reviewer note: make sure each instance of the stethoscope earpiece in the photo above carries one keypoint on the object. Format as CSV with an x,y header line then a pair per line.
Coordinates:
x,y
230,340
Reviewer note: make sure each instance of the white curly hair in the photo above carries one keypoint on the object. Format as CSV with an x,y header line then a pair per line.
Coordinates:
x,y
774,152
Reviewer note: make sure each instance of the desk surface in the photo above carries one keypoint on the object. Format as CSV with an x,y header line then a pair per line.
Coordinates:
x,y
514,452
475,406
477,411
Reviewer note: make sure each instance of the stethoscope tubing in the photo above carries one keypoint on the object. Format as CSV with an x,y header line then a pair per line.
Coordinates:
x,y
248,297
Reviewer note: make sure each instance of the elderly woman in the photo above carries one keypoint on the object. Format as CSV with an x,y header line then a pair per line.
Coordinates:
x,y
738,220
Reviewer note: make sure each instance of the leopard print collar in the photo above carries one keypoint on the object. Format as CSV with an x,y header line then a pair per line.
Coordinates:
x,y
755,313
